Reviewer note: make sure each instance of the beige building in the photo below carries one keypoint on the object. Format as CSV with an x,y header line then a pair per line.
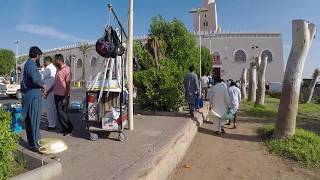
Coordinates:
x,y
231,52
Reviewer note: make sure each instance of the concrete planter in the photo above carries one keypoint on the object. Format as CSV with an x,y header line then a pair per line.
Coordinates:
x,y
40,167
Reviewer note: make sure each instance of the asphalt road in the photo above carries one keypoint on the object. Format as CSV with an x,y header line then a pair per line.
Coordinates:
x,y
76,94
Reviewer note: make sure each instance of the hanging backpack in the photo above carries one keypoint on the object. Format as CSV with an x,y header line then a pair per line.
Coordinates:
x,y
109,46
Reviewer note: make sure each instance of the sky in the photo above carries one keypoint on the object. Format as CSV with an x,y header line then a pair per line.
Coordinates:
x,y
50,24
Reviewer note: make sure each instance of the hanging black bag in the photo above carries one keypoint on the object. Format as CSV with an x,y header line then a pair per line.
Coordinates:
x,y
109,45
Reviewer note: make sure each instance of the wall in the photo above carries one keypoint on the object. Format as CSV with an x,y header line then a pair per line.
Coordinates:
x,y
227,43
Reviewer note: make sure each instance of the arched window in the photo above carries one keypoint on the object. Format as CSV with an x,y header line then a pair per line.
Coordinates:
x,y
267,53
67,61
79,63
216,58
240,56
93,61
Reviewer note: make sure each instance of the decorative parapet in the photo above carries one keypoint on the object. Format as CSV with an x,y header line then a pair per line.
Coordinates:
x,y
204,34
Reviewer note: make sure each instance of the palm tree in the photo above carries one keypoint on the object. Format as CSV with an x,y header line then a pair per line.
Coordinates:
x,y
84,49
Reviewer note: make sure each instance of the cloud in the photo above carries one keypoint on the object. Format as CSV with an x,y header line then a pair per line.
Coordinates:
x,y
48,31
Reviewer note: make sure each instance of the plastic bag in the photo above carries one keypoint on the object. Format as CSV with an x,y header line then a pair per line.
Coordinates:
x,y
199,103
228,115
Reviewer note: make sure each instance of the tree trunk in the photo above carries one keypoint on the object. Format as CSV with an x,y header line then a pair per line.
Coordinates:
x,y
303,34
83,71
312,85
252,83
261,91
244,84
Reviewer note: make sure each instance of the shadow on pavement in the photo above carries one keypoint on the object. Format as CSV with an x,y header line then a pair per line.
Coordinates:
x,y
239,137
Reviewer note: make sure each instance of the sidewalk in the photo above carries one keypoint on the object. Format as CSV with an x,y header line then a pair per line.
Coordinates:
x,y
152,150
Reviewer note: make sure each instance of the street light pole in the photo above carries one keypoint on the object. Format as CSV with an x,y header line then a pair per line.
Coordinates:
x,y
17,52
74,70
199,11
130,65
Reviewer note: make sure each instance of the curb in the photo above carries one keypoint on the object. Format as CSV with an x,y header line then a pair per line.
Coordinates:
x,y
41,167
159,164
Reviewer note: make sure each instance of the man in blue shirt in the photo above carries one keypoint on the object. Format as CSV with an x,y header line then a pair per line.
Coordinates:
x,y
31,86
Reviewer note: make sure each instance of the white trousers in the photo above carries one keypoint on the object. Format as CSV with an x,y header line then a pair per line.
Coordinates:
x,y
219,123
52,117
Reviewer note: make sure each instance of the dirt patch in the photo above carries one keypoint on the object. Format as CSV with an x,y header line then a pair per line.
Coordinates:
x,y
239,154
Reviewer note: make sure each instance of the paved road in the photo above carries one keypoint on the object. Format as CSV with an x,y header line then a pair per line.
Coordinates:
x,y
5,99
76,94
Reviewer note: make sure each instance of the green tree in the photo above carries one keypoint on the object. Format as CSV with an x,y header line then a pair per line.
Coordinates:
x,y
145,59
206,61
161,88
7,61
22,59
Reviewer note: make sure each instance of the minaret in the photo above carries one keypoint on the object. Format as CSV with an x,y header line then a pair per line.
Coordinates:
x,y
209,20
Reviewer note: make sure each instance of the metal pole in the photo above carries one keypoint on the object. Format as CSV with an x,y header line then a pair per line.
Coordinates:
x,y
17,52
74,70
199,15
199,11
115,15
130,65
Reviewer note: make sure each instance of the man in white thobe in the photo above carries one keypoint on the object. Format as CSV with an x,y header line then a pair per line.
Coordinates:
x,y
235,99
49,74
219,103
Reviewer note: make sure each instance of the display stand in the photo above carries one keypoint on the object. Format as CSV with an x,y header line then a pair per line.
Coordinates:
x,y
107,99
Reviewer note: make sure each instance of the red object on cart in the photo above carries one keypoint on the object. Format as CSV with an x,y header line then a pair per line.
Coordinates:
x,y
122,118
91,98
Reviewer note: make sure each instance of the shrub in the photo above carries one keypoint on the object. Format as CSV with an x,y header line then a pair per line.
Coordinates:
x,y
302,147
274,94
160,89
8,145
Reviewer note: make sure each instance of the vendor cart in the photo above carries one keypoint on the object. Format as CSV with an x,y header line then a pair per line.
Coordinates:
x,y
99,116
106,97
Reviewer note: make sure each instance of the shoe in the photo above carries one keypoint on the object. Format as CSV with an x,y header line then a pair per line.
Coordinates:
x,y
51,128
68,133
235,126
223,131
34,149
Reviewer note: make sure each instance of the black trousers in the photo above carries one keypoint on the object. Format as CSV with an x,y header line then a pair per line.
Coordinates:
x,y
63,117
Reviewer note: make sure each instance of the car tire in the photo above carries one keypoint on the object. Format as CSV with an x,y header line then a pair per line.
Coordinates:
x,y
18,95
11,96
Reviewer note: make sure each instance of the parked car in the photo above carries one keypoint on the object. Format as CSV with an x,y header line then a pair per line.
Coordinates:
x,y
3,86
13,91
275,86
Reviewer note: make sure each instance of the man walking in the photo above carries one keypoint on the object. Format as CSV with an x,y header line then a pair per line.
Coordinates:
x,y
31,86
220,103
49,103
204,86
61,90
191,87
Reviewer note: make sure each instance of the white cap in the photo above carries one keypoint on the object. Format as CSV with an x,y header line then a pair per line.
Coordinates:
x,y
211,1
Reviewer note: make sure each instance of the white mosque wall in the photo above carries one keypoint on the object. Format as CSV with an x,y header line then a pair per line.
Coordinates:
x,y
227,44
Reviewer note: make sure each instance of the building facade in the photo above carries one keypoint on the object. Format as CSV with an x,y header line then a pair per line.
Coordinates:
x,y
231,52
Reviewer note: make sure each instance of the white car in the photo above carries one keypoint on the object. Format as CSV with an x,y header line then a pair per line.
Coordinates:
x,y
3,86
13,90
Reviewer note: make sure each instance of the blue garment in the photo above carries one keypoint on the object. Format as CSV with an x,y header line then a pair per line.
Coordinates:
x,y
31,101
191,88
